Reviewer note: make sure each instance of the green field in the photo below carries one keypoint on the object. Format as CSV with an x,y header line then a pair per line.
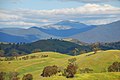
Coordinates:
x,y
99,62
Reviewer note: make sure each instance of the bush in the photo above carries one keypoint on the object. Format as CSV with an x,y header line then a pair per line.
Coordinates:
x,y
2,75
27,77
86,70
15,78
115,67
9,58
43,56
49,71
72,60
13,75
71,70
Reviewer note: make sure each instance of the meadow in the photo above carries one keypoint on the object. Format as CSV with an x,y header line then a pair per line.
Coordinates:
x,y
99,62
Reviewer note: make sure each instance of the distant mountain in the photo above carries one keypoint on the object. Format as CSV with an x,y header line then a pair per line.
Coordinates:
x,y
66,28
10,38
102,33
70,24
23,35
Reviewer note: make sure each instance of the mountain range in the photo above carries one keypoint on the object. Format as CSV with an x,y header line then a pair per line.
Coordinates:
x,y
63,29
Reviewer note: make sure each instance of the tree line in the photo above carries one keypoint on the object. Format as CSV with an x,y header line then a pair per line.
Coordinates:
x,y
55,45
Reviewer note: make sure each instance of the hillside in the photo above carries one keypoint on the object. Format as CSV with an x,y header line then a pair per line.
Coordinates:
x,y
64,46
98,62
54,45
102,33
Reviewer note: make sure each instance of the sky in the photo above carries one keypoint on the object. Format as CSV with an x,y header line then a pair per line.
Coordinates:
x,y
28,13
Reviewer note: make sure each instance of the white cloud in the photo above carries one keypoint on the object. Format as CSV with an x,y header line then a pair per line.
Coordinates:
x,y
86,9
101,21
6,17
27,17
18,23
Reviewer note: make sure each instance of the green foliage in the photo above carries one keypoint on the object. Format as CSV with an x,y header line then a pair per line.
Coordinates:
x,y
42,45
55,45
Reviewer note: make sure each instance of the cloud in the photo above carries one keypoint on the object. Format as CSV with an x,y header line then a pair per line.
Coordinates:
x,y
86,9
20,23
101,21
87,13
7,17
92,1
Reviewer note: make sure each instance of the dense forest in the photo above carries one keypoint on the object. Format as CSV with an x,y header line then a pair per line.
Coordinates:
x,y
56,45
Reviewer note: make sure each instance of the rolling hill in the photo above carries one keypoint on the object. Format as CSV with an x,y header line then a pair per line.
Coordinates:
x,y
98,62
56,45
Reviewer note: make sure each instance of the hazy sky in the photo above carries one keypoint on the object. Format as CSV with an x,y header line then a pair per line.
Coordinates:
x,y
28,13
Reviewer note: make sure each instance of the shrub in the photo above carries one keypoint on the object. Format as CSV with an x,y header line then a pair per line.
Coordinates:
x,y
2,74
72,60
86,70
13,75
115,67
71,70
15,78
43,56
32,57
49,71
27,77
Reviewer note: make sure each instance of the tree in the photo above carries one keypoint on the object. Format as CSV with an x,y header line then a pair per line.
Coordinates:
x,y
95,47
49,71
13,76
2,75
75,51
14,53
27,77
115,67
36,50
2,53
71,68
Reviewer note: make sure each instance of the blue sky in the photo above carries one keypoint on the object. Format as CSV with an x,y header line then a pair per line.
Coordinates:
x,y
28,13
50,4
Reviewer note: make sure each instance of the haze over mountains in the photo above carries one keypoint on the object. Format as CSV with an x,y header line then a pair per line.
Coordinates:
x,y
64,29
